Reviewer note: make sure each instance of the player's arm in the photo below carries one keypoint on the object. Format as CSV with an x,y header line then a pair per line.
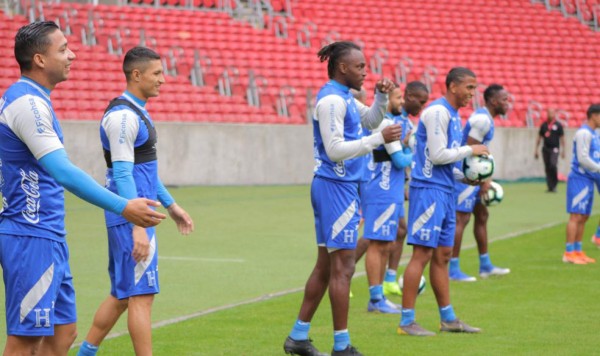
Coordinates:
x,y
583,140
330,113
371,117
401,156
182,219
36,131
436,124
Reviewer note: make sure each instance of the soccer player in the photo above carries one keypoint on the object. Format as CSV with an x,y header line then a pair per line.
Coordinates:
x,y
431,212
128,138
340,145
415,97
585,167
34,167
479,130
382,202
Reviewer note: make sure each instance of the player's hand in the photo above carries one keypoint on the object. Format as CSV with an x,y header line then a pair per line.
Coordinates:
x,y
385,86
137,211
480,150
483,189
141,245
184,222
392,133
536,155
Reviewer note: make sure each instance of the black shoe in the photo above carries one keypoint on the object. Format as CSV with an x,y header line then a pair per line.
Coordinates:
x,y
301,348
348,351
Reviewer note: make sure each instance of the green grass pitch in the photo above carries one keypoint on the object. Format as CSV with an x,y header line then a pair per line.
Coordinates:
x,y
231,288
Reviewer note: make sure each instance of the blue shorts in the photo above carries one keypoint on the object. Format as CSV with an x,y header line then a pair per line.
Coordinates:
x,y
381,221
580,195
431,217
335,205
38,285
127,277
466,197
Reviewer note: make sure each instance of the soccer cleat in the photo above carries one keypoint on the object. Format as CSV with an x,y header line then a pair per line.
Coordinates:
x,y
596,241
458,326
348,351
460,276
392,304
584,257
571,257
413,329
301,348
351,295
486,272
382,306
391,288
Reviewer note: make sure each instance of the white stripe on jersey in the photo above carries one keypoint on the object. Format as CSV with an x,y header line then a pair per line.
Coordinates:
x,y
344,219
35,294
423,219
465,194
141,266
579,197
384,217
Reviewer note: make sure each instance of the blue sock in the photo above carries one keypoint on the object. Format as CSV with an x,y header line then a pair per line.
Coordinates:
x,y
87,349
376,293
454,264
341,339
570,247
390,276
447,313
597,231
300,330
577,246
485,261
408,316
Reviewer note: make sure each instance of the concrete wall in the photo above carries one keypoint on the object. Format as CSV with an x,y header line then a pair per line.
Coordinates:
x,y
224,154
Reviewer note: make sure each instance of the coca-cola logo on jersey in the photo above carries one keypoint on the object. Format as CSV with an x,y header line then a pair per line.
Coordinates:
x,y
31,188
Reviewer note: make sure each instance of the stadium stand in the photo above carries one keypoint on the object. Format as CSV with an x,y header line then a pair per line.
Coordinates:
x,y
543,58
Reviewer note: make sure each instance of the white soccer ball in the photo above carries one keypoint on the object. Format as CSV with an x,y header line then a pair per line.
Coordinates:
x,y
422,284
494,195
478,167
412,141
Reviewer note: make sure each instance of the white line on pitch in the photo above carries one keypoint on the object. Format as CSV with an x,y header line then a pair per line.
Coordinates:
x,y
294,290
204,259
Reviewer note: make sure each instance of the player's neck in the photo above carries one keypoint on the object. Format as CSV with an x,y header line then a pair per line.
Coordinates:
x,y
136,93
40,79
492,112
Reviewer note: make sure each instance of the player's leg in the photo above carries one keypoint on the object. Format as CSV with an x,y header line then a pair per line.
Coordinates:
x,y
60,342
375,263
486,268
139,323
361,249
553,182
454,271
390,280
578,245
22,345
580,193
105,318
342,269
596,236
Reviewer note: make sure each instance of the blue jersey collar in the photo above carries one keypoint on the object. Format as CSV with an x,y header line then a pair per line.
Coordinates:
x,y
133,98
340,86
43,90
448,106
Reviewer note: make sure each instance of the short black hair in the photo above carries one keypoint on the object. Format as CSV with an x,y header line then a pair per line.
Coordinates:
x,y
416,86
457,74
491,91
593,109
32,39
333,52
137,56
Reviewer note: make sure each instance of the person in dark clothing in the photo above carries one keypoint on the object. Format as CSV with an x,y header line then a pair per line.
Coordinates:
x,y
554,142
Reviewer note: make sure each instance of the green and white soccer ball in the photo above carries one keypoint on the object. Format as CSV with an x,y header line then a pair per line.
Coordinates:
x,y
422,284
478,167
494,195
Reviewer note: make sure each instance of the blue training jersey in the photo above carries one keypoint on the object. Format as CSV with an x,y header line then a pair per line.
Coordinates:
x,y
586,140
32,201
424,173
386,182
349,170
123,134
480,120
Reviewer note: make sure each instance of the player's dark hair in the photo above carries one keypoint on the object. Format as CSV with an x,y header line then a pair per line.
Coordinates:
x,y
136,57
457,74
491,91
333,52
593,109
416,86
32,39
